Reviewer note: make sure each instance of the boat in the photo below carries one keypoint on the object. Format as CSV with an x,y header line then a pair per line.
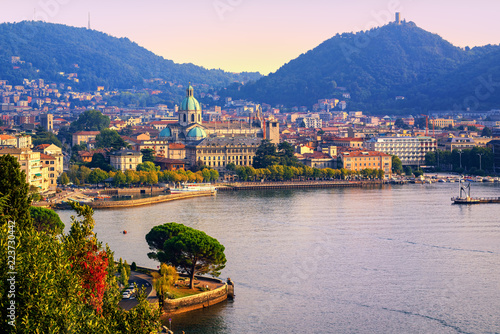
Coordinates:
x,y
191,187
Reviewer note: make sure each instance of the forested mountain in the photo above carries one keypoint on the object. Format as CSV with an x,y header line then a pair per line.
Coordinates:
x,y
48,50
375,66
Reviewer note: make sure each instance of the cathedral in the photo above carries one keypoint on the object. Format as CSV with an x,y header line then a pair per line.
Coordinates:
x,y
216,145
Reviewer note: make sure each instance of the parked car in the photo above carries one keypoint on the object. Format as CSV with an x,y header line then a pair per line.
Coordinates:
x,y
126,295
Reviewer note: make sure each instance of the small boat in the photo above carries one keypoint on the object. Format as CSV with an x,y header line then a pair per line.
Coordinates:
x,y
190,187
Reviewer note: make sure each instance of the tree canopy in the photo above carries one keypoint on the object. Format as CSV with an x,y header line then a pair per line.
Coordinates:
x,y
90,120
13,185
110,138
189,250
46,220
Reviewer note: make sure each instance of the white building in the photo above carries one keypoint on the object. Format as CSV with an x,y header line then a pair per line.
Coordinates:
x,y
411,150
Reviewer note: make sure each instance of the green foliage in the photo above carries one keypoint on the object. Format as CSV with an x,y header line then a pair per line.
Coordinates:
x,y
486,132
46,220
147,166
163,281
97,176
119,179
98,161
187,249
469,162
14,187
110,139
265,155
148,154
64,179
45,137
90,120
65,285
397,165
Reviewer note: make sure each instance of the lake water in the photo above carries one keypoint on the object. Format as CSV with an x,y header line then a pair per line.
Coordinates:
x,y
394,259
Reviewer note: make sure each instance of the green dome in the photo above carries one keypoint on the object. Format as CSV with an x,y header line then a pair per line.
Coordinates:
x,y
190,103
197,132
166,132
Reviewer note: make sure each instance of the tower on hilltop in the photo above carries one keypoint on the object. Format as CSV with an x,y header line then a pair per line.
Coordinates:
x,y
398,18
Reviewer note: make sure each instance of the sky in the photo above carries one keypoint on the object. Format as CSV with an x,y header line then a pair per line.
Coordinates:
x,y
256,35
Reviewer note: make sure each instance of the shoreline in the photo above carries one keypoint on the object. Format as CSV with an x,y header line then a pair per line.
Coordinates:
x,y
225,187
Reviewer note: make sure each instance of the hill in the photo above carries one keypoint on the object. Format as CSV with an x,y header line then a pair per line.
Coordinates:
x,y
374,66
52,51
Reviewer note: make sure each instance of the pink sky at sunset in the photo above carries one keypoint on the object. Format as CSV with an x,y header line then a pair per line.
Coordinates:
x,y
256,35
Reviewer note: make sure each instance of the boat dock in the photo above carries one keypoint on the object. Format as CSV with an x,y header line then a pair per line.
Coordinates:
x,y
465,198
475,200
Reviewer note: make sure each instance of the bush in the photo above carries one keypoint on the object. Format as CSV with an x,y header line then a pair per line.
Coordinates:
x,y
133,266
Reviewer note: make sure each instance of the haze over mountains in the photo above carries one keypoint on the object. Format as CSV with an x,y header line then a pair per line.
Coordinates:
x,y
374,67
97,58
378,65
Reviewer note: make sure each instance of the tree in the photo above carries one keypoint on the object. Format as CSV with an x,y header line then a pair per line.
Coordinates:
x,y
147,166
189,250
397,165
214,175
408,171
90,120
98,161
46,220
486,132
97,176
152,177
45,137
119,179
163,281
83,174
13,185
110,138
131,176
148,154
64,179
265,155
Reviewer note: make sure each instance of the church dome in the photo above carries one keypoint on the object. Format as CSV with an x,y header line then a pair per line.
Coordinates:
x,y
196,133
190,103
166,132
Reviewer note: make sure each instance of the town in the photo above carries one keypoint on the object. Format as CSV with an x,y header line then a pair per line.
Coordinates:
x,y
37,116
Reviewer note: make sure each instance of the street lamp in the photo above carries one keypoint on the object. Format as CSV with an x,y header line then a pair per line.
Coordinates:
x,y
480,155
460,152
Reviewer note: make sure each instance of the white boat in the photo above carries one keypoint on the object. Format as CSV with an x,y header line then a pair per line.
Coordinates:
x,y
189,187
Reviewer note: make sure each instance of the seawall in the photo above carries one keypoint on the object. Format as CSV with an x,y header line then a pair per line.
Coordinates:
x,y
198,301
142,201
293,185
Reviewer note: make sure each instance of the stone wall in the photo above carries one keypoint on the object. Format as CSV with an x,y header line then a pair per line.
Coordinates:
x,y
201,300
147,200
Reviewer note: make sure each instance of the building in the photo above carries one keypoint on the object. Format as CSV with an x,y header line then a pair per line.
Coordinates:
x,y
363,159
319,160
83,137
50,164
56,152
346,142
47,122
125,159
6,140
170,164
459,143
219,151
411,150
442,122
30,163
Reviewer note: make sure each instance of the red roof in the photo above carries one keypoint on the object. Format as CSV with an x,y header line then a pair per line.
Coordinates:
x,y
364,153
46,157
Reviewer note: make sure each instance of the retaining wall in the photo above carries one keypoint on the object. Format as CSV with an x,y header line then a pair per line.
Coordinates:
x,y
201,300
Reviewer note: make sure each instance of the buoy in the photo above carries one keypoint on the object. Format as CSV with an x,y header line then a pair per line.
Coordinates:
x,y
124,231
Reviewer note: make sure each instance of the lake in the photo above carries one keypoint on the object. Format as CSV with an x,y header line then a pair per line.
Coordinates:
x,y
390,259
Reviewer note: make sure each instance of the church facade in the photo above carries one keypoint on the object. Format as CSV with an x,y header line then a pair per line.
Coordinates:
x,y
216,145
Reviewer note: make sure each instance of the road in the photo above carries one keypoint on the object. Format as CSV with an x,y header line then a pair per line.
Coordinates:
x,y
142,280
